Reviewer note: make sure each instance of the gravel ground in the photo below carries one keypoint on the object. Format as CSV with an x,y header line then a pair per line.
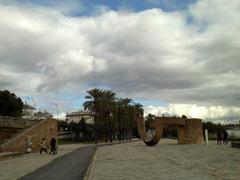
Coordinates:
x,y
17,167
166,160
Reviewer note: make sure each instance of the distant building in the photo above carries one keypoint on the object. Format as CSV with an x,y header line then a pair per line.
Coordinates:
x,y
78,116
28,111
42,115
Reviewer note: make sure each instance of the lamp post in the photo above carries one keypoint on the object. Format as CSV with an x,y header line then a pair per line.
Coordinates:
x,y
56,107
34,100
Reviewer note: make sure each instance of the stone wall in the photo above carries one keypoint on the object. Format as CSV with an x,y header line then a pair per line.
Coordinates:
x,y
189,130
44,129
193,132
16,122
6,133
11,126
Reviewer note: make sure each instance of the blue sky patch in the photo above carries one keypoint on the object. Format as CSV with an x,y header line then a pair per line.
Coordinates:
x,y
86,7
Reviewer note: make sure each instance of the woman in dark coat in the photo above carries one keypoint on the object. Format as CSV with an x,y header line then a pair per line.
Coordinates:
x,y
53,143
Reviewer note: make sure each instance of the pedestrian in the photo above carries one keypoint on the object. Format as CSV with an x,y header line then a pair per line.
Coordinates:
x,y
225,137
28,146
219,138
43,146
53,144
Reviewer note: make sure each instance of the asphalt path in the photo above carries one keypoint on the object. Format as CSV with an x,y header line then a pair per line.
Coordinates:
x,y
72,166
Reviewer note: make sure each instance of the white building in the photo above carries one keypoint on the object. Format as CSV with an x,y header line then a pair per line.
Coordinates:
x,y
42,115
78,116
28,111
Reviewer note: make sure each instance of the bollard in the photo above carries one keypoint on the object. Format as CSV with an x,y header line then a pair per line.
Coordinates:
x,y
206,137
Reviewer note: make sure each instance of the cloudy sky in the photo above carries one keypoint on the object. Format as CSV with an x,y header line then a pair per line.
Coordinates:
x,y
174,57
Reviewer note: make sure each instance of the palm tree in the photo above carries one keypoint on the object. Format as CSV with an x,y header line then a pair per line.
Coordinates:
x,y
93,105
108,101
139,109
119,102
138,113
126,104
109,110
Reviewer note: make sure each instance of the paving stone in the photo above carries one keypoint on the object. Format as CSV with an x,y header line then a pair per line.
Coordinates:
x,y
166,160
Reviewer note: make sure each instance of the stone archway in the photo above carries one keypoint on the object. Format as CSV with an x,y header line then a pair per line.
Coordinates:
x,y
189,130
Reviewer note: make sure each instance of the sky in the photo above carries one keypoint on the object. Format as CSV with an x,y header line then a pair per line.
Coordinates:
x,y
174,57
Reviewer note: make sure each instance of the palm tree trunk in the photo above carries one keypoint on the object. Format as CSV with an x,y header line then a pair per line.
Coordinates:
x,y
96,127
109,127
105,128
119,125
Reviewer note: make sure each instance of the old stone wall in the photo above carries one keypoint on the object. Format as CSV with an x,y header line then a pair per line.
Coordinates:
x,y
193,131
6,133
11,126
189,130
44,129
16,122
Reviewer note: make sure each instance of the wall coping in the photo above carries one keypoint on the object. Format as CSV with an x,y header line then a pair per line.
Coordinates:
x,y
16,122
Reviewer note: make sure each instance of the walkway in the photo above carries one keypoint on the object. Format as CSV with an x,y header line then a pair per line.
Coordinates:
x,y
72,166
165,161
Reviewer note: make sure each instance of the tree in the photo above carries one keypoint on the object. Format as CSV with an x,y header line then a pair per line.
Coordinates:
x,y
93,105
108,102
111,113
212,128
148,120
10,104
126,119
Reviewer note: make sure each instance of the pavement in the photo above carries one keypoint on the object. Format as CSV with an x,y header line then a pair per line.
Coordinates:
x,y
16,167
133,160
71,159
72,166
165,161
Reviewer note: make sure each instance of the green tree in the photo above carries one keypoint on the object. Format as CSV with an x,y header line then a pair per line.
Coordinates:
x,y
148,120
112,115
10,104
108,102
212,128
93,104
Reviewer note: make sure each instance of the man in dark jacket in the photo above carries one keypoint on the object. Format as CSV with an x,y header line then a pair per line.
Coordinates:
x,y
53,143
225,137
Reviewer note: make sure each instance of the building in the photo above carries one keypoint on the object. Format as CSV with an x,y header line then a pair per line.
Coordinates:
x,y
78,116
42,115
28,111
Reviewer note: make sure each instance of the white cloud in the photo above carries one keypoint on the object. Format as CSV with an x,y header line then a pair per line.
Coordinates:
x,y
217,114
149,54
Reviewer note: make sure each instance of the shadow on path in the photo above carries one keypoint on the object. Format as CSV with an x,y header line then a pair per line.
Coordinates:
x,y
71,166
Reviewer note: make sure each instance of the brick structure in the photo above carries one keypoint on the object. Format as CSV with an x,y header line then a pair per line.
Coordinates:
x,y
43,129
189,130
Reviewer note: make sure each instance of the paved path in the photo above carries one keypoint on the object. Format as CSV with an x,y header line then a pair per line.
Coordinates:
x,y
15,167
72,166
165,161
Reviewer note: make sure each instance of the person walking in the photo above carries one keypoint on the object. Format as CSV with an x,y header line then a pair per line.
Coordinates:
x,y
53,144
28,146
219,138
43,146
225,137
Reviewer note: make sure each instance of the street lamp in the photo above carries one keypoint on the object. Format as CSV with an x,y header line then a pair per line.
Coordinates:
x,y
56,107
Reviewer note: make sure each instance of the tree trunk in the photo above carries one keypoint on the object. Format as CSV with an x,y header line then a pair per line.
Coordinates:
x,y
119,124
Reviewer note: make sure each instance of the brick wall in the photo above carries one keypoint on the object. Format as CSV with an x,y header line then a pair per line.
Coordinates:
x,y
44,129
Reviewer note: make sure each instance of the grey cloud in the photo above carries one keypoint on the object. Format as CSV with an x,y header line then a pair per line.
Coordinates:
x,y
150,54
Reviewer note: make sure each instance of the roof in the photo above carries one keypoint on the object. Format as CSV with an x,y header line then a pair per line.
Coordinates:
x,y
43,114
78,113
